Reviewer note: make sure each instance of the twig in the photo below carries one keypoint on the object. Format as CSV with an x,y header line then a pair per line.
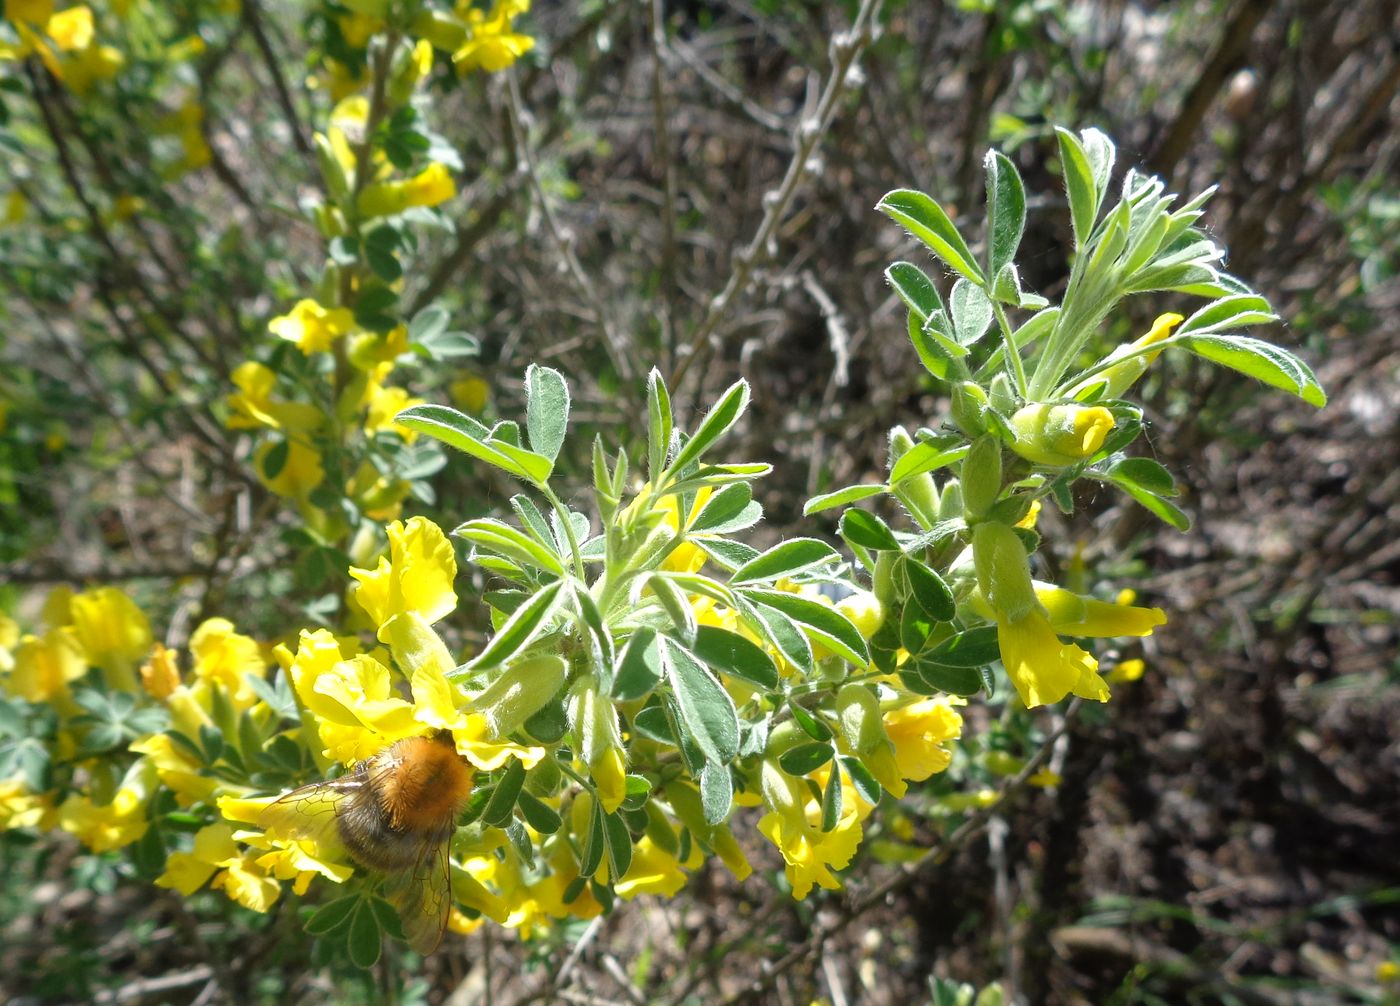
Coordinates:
x,y
252,16
726,90
657,22
845,51
141,988
835,328
576,953
621,363
933,859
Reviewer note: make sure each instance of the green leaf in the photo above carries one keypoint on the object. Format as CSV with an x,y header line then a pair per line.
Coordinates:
x,y
971,648
1144,472
727,554
790,557
865,783
716,792
717,422
912,285
332,916
594,843
1227,313
935,349
811,726
731,509
500,538
546,409
862,528
502,803
640,667
929,591
925,456
675,603
841,497
825,624
780,631
1006,211
522,626
428,323
1167,512
276,459
972,312
1264,361
363,940
659,423
619,845
456,429
380,246
922,217
1079,185
831,802
953,680
538,814
735,655
705,707
805,758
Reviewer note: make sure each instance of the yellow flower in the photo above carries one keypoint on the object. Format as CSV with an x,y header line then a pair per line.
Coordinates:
x,y
43,666
1126,671
917,734
298,860
1058,435
470,392
357,27
1075,615
653,871
177,769
1045,779
247,882
300,474
416,576
384,405
71,29
793,824
1121,376
253,406
431,186
187,872
1042,668
20,808
312,327
117,824
160,675
491,45
228,658
354,700
114,633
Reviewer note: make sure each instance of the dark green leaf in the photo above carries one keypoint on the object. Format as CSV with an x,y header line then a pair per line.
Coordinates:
x,y
971,648
922,217
831,628
502,803
705,707
790,557
640,667
805,758
929,590
859,527
519,628
1006,211
735,655
716,792
363,940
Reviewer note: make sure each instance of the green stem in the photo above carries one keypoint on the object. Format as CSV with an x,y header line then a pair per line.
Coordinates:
x,y
562,512
1018,371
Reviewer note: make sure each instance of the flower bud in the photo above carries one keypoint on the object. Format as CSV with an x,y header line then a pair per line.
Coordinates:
x,y
859,711
599,742
919,494
1003,569
521,690
981,475
1121,376
968,407
1058,435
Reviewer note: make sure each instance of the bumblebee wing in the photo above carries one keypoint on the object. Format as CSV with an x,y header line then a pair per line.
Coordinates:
x,y
308,812
422,896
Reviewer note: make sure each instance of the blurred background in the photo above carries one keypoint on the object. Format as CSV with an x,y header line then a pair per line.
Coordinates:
x,y
1226,829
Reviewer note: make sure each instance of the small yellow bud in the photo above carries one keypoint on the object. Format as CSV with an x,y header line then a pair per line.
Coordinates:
x,y
1058,435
